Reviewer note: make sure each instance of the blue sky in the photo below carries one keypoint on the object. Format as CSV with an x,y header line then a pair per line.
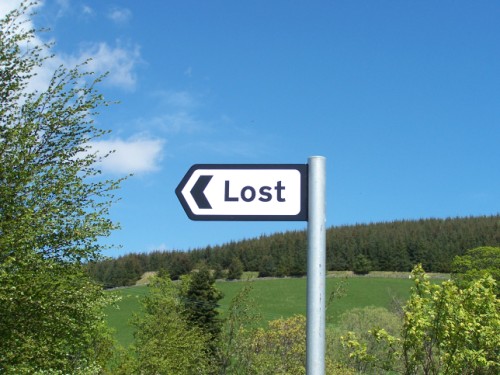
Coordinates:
x,y
401,97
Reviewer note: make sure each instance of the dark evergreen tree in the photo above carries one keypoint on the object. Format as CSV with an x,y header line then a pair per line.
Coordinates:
x,y
179,264
267,267
392,246
362,265
218,271
201,301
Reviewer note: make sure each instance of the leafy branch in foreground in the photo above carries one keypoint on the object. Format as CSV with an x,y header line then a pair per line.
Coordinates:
x,y
53,208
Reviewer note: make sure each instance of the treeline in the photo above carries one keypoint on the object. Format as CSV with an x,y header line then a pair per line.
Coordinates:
x,y
388,246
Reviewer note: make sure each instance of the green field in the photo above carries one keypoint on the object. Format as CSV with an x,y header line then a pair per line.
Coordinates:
x,y
275,298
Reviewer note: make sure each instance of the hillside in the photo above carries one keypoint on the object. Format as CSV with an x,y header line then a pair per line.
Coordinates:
x,y
388,246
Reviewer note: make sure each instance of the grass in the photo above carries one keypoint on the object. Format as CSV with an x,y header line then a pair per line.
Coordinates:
x,y
285,297
119,316
276,298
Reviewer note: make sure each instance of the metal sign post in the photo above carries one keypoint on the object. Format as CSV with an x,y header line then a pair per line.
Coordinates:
x,y
316,268
271,192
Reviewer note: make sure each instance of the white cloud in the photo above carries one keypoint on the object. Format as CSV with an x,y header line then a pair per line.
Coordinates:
x,y
120,15
118,61
7,6
140,155
43,74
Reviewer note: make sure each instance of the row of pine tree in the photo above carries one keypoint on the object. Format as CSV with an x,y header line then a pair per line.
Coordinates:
x,y
388,246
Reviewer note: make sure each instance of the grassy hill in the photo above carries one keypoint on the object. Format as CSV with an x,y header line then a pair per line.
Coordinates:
x,y
276,298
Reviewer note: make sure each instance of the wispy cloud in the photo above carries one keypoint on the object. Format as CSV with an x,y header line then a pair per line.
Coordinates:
x,y
175,113
120,62
41,79
87,10
182,100
8,6
64,6
174,123
120,15
136,155
180,113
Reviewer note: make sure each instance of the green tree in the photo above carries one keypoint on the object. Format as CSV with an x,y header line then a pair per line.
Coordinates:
x,y
166,341
179,265
53,208
446,330
200,299
477,263
281,349
218,271
452,330
235,269
233,352
359,321
362,265
267,267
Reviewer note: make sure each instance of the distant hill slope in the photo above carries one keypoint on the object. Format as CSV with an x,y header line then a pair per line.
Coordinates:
x,y
388,246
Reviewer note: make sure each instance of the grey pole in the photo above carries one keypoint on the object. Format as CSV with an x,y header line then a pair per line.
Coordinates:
x,y
316,269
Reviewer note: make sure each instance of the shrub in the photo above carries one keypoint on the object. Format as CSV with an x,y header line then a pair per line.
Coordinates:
x,y
362,265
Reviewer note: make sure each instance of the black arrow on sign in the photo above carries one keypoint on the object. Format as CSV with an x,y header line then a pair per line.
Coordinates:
x,y
198,192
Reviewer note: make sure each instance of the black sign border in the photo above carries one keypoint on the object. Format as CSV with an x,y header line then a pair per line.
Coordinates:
x,y
304,183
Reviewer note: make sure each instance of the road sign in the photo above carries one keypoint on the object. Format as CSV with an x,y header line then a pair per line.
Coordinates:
x,y
271,192
261,192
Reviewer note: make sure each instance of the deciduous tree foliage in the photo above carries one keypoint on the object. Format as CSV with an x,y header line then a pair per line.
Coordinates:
x,y
279,349
233,351
446,330
477,263
358,322
166,341
53,208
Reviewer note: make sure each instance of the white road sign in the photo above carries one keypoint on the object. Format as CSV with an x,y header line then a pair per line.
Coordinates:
x,y
245,192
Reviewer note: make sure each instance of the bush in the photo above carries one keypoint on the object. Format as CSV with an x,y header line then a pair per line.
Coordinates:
x,y
360,321
446,330
235,269
477,263
362,265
